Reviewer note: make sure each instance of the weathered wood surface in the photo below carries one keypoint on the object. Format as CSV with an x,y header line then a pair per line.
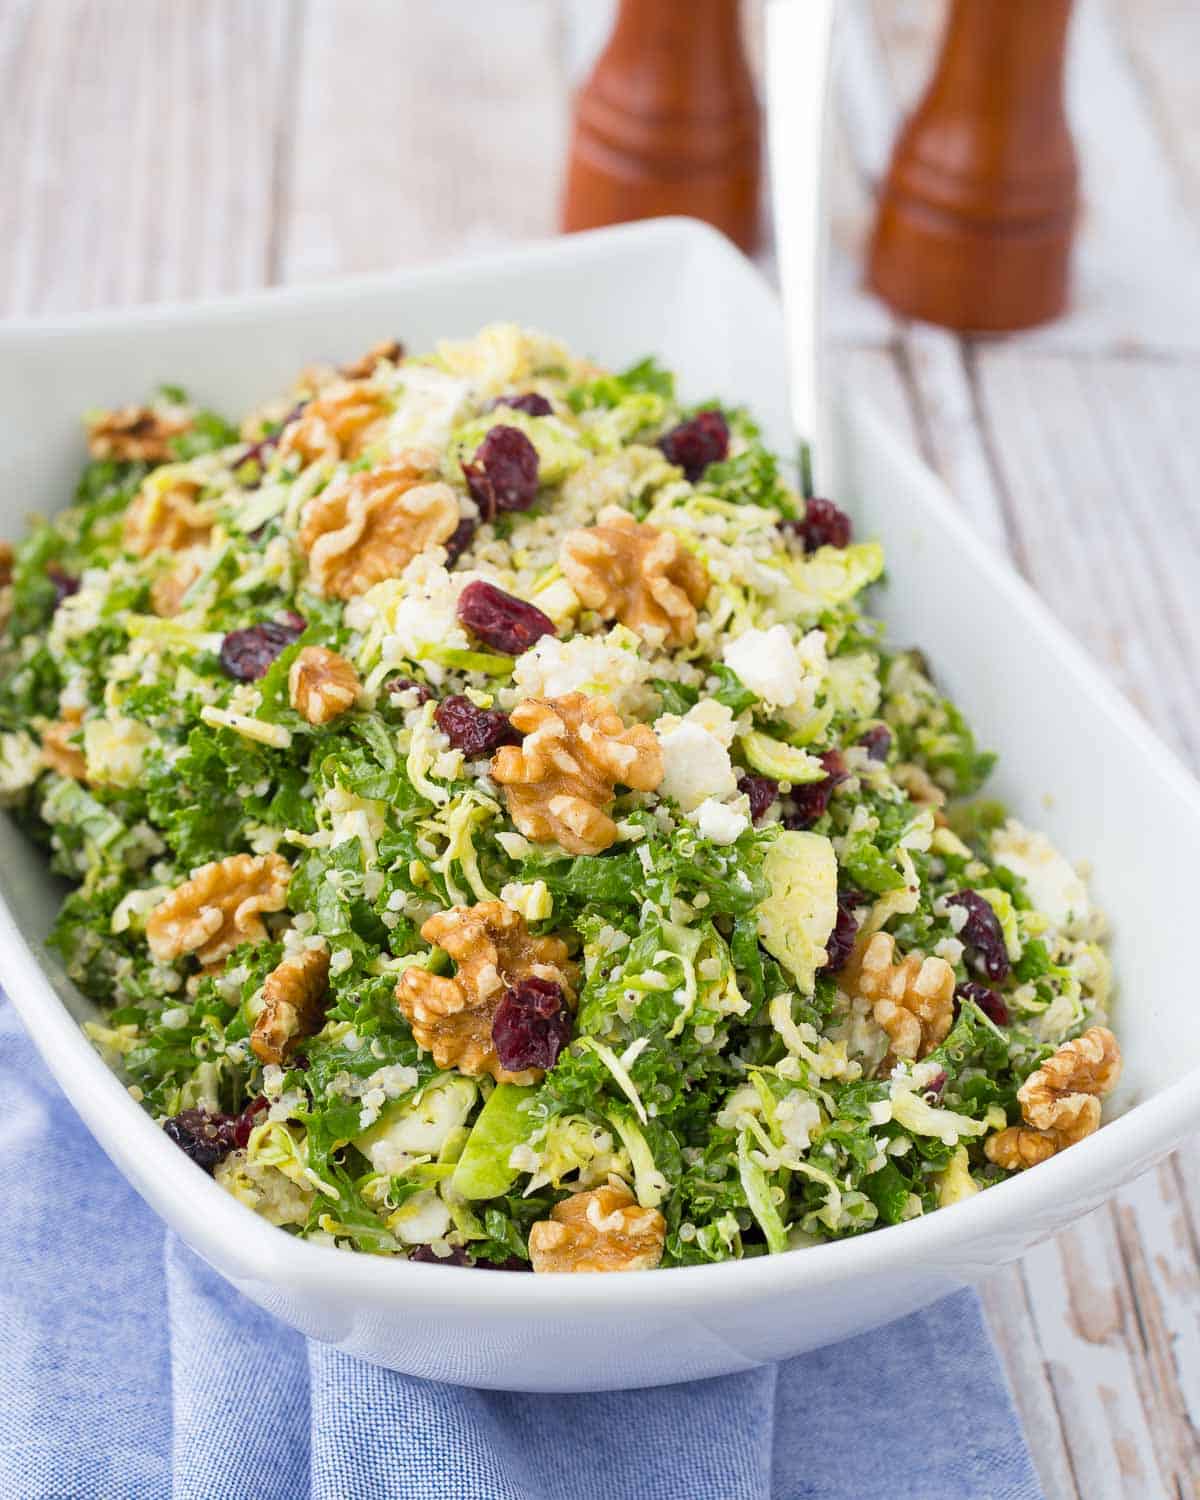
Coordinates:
x,y
156,150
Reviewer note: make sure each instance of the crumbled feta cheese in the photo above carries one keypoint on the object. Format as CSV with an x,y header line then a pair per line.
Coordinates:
x,y
718,822
784,675
405,618
696,765
429,405
1053,884
606,666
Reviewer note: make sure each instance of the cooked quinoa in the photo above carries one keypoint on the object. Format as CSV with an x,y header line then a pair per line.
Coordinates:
x,y
335,724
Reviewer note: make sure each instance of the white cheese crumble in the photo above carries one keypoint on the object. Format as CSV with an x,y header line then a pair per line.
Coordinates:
x,y
406,618
696,765
1054,885
781,673
428,407
718,822
606,666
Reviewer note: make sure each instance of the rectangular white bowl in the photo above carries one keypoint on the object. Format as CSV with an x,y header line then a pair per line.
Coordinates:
x,y
1075,760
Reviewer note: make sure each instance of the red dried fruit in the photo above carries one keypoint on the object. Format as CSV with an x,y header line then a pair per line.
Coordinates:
x,y
475,731
459,540
761,791
532,1025
64,583
247,654
503,474
810,801
532,404
244,1123
824,525
841,940
877,741
204,1138
982,933
499,620
428,1256
695,444
932,1091
987,1000
260,451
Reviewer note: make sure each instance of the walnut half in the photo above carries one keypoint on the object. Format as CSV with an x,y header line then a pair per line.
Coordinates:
x,y
363,368
60,751
913,1000
135,433
563,775
321,684
219,907
337,424
601,1230
167,517
1060,1101
293,1008
493,949
634,573
369,525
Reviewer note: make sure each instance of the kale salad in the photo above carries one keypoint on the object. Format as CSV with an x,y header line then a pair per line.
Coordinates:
x,y
498,835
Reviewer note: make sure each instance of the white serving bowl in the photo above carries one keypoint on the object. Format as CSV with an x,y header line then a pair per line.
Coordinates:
x,y
1075,760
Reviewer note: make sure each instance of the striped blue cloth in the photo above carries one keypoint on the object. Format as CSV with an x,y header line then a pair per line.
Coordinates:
x,y
129,1371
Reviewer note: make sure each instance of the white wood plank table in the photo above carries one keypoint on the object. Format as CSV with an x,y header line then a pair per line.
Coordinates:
x,y
154,149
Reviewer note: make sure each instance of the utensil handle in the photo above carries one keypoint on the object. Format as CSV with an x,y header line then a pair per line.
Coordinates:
x,y
799,36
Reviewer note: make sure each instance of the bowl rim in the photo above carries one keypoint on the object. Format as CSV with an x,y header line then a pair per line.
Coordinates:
x,y
244,1246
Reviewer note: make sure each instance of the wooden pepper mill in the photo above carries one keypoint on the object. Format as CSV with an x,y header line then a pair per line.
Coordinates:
x,y
668,122
977,212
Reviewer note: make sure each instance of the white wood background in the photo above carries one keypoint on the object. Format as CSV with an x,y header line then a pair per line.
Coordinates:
x,y
174,148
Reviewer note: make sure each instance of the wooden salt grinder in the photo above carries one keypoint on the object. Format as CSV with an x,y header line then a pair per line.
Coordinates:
x,y
668,122
977,212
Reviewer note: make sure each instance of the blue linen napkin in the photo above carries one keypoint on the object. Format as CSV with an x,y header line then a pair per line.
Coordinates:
x,y
130,1371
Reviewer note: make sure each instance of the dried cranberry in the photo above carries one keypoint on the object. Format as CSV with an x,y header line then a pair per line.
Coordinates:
x,y
761,791
459,540
204,1138
877,741
500,621
259,451
474,731
531,1025
810,800
503,475
982,933
695,444
244,1123
987,1000
824,525
841,940
64,583
933,1089
396,687
427,1255
529,402
248,654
